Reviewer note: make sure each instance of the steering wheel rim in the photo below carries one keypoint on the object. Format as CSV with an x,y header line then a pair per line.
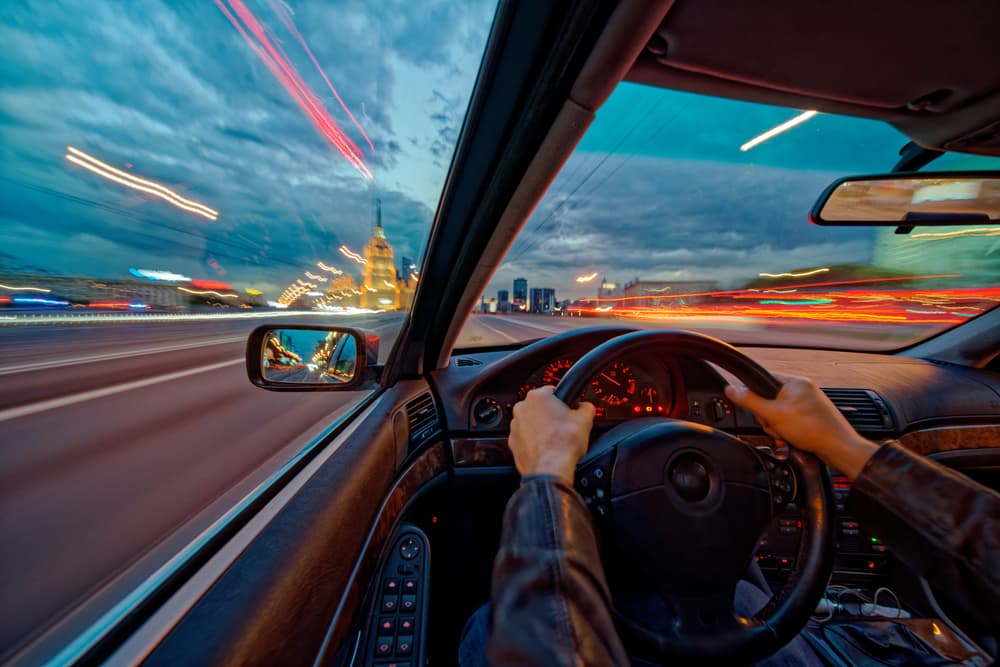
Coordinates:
x,y
790,608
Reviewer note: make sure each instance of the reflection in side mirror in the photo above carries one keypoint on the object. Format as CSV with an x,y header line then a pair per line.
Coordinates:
x,y
302,357
911,199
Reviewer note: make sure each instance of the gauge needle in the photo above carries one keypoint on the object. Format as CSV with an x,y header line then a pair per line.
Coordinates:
x,y
617,383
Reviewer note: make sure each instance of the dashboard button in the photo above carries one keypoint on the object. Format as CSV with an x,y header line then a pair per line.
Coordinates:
x,y
391,586
408,604
404,645
409,585
409,548
406,625
387,625
389,603
383,646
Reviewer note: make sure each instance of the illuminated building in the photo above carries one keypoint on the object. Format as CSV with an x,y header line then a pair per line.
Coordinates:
x,y
520,294
660,292
503,301
378,285
543,300
343,292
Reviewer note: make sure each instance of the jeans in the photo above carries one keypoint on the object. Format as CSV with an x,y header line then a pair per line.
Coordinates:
x,y
747,601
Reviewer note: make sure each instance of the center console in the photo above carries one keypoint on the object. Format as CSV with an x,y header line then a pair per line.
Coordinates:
x,y
861,557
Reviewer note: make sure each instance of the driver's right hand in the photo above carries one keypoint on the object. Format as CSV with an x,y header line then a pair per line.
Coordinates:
x,y
804,417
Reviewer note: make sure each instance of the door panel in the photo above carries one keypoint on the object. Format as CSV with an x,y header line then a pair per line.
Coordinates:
x,y
275,603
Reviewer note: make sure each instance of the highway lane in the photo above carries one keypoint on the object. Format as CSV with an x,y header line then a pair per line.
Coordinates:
x,y
121,442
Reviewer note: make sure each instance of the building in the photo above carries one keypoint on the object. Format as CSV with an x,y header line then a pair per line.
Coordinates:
x,y
343,292
378,284
503,301
407,267
520,301
543,300
657,293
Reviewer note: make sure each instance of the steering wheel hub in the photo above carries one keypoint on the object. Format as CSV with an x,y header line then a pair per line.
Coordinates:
x,y
690,477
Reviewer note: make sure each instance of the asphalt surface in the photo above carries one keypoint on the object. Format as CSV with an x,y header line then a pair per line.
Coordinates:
x,y
123,441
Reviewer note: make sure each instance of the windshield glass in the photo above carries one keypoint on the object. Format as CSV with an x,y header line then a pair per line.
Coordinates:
x,y
680,210
176,173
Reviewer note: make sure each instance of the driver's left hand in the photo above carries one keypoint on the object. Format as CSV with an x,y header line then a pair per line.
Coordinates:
x,y
547,437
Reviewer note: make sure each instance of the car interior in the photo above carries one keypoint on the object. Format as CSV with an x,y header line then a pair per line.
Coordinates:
x,y
375,545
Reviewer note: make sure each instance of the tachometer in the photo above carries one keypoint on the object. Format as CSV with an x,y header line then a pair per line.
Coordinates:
x,y
555,371
615,385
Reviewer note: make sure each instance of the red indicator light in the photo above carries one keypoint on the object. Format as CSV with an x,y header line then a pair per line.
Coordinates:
x,y
871,565
637,409
434,519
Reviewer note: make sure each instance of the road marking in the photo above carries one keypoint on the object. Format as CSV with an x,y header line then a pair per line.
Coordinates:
x,y
516,322
63,401
498,332
41,365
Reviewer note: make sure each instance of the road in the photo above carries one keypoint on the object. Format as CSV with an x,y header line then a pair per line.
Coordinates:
x,y
123,441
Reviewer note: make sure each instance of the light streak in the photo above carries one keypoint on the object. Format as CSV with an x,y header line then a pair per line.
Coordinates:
x,y
977,232
414,276
290,24
313,276
39,300
347,252
159,275
587,278
282,69
803,302
793,275
388,284
100,168
370,289
26,288
314,293
775,131
332,269
253,292
210,284
208,291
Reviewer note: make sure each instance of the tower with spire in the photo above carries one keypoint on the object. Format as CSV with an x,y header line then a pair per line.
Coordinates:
x,y
379,289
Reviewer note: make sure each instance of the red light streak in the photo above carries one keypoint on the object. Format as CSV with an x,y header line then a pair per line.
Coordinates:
x,y
210,284
286,74
290,24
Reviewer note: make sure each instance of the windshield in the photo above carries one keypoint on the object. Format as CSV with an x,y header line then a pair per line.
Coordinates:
x,y
176,173
680,210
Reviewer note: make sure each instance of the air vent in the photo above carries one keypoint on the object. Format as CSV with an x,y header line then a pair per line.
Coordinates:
x,y
865,410
468,361
423,420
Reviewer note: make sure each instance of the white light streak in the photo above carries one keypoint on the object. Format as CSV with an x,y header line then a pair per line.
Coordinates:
x,y
94,165
347,252
587,278
25,289
208,291
793,275
775,131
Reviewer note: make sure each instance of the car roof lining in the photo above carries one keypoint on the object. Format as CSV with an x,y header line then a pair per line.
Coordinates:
x,y
929,69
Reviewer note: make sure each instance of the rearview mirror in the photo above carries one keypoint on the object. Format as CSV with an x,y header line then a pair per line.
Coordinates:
x,y
297,358
911,199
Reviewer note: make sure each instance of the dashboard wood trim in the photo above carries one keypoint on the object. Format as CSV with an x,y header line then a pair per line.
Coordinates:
x,y
481,452
951,438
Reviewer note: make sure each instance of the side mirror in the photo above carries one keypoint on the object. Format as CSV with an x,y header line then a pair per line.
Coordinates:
x,y
308,358
911,199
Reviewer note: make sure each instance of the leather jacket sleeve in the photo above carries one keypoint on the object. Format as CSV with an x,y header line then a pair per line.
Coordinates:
x,y
551,604
943,525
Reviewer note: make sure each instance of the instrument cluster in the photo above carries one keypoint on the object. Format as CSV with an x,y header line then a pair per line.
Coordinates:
x,y
620,391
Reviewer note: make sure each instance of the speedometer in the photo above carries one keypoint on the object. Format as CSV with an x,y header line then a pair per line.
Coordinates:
x,y
615,385
555,371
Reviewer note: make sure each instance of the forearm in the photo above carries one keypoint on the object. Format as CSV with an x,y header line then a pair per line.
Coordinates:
x,y
551,604
940,523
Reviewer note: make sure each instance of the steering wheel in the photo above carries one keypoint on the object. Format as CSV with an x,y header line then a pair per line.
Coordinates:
x,y
680,507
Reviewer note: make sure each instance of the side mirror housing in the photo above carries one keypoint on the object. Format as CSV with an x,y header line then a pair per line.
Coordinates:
x,y
312,358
